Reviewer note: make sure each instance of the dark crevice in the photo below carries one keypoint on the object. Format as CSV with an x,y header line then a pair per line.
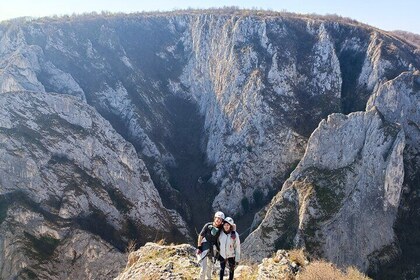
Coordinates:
x,y
192,172
352,98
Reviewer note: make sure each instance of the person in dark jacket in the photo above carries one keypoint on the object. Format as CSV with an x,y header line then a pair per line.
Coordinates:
x,y
207,245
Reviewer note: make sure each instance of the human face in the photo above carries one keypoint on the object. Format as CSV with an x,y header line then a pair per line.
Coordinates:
x,y
226,226
217,221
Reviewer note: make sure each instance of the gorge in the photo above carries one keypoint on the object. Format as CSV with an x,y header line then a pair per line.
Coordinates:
x,y
138,127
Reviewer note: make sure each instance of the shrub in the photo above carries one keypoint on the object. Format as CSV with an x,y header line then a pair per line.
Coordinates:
x,y
297,256
131,246
353,274
408,36
161,242
322,270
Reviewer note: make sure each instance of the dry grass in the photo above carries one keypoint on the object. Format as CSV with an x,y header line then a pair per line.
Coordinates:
x,y
158,256
130,249
289,277
159,260
298,256
226,10
248,270
151,276
131,246
249,273
161,242
353,274
321,270
132,259
408,36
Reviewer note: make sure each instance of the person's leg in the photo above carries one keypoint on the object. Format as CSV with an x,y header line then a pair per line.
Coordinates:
x,y
209,267
231,262
203,268
222,267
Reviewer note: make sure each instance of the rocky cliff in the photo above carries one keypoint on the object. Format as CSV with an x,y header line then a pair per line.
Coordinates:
x,y
348,182
261,83
399,100
369,185
73,191
221,104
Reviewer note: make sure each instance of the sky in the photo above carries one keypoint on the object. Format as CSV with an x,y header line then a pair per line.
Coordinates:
x,y
385,14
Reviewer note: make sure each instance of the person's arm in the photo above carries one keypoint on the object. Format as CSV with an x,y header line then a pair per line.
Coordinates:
x,y
200,239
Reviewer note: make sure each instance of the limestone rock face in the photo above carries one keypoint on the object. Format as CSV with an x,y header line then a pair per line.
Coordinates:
x,y
212,111
242,92
399,101
72,190
341,201
82,255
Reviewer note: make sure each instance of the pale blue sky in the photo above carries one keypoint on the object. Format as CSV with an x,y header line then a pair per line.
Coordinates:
x,y
385,14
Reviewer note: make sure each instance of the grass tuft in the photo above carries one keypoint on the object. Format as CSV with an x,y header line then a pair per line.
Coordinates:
x,y
322,270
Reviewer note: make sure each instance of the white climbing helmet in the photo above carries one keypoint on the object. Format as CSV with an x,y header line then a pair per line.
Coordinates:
x,y
220,215
229,220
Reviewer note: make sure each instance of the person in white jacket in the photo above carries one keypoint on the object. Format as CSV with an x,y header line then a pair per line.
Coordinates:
x,y
230,248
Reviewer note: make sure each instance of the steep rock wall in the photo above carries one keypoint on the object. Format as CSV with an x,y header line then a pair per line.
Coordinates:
x,y
262,83
341,201
72,190
263,94
399,101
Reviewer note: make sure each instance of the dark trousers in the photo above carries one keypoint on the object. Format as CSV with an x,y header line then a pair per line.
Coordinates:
x,y
231,263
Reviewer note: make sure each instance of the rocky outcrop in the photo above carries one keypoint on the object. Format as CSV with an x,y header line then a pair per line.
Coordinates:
x,y
72,190
399,101
341,201
154,261
157,261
